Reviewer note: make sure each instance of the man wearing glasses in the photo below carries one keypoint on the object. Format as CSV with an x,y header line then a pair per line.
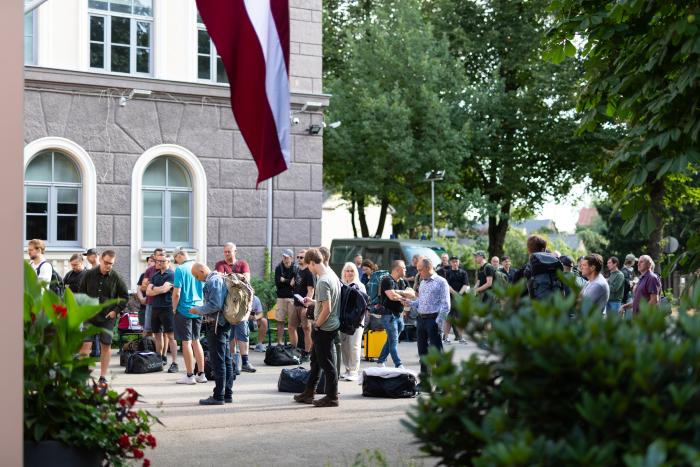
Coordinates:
x,y
304,286
162,319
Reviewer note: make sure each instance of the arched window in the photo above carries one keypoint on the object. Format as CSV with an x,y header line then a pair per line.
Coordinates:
x,y
52,194
167,204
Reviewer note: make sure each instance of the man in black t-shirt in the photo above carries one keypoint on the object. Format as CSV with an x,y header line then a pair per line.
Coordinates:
x,y
304,286
162,318
73,277
486,275
392,313
459,284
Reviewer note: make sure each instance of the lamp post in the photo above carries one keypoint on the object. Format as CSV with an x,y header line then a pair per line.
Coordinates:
x,y
432,177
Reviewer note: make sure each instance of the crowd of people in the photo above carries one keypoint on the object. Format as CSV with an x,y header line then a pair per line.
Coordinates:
x,y
176,294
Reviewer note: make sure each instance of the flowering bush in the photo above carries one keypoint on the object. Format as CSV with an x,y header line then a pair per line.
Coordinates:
x,y
60,403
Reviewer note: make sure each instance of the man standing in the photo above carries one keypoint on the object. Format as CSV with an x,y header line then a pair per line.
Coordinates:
x,y
257,314
91,257
141,287
187,294
73,277
284,281
412,271
459,285
358,262
507,269
240,332
162,319
433,304
35,251
218,337
104,284
495,262
392,313
616,283
628,271
596,292
647,289
304,286
325,330
147,275
485,275
444,265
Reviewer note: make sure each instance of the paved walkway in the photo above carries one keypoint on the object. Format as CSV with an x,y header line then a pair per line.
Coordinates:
x,y
264,427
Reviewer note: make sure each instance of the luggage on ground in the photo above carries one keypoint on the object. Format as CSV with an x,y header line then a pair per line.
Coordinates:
x,y
282,355
144,362
124,357
295,379
390,383
373,342
143,344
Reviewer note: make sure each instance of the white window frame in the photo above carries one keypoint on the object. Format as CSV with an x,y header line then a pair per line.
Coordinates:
x,y
213,55
166,225
87,204
133,47
198,214
35,49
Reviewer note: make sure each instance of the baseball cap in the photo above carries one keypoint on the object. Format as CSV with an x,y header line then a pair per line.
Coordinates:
x,y
288,252
630,257
566,261
91,251
453,257
480,253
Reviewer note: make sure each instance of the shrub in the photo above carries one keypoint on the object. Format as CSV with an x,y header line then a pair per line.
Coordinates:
x,y
550,389
266,292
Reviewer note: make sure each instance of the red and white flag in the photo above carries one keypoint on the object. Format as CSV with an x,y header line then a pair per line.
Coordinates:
x,y
252,38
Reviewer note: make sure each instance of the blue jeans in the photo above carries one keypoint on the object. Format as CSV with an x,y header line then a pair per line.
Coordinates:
x,y
427,332
613,308
221,361
394,326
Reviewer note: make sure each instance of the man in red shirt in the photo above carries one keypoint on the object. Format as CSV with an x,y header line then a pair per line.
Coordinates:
x,y
240,332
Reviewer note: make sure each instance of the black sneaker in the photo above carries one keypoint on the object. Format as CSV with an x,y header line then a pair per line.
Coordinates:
x,y
248,368
173,368
228,400
102,381
211,401
305,358
165,359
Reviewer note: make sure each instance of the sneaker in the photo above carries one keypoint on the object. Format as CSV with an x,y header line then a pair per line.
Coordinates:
x,y
305,358
344,375
249,368
446,340
211,401
102,381
260,348
187,380
165,359
352,376
173,368
200,378
462,340
236,370
381,365
400,366
325,402
228,400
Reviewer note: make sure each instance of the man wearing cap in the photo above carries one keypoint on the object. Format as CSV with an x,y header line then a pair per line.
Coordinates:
x,y
459,284
485,275
285,272
628,271
91,257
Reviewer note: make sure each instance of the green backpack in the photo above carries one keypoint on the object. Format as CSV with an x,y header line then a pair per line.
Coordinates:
x,y
501,279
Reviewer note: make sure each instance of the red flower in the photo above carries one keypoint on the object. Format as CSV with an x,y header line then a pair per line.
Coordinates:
x,y
131,415
132,396
32,316
151,440
61,311
141,437
124,441
146,463
122,402
138,454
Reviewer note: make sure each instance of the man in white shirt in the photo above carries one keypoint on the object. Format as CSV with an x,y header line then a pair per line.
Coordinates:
x,y
35,250
596,293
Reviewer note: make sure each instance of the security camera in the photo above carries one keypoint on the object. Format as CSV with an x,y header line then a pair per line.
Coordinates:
x,y
334,124
295,121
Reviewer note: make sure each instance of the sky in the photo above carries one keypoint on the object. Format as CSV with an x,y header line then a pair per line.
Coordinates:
x,y
565,212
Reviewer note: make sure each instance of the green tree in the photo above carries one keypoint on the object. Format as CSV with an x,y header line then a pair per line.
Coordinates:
x,y
394,87
641,69
519,111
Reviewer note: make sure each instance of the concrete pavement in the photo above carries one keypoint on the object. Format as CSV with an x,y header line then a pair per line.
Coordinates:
x,y
264,427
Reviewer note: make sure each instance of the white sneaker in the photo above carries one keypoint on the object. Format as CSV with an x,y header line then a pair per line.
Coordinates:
x,y
200,378
345,375
352,376
462,340
260,347
401,367
381,365
187,380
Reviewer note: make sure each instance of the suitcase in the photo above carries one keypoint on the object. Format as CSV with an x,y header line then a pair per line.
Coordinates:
x,y
295,379
373,342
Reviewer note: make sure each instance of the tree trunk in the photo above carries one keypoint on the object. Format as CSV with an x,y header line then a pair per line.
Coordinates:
x,y
498,226
382,218
361,215
352,217
656,205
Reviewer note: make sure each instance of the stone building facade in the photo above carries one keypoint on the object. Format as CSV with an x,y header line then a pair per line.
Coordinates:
x,y
118,129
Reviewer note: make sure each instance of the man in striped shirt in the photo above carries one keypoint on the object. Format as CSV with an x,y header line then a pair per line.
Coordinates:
x,y
433,305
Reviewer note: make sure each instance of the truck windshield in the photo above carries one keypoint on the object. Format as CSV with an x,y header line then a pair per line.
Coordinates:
x,y
428,252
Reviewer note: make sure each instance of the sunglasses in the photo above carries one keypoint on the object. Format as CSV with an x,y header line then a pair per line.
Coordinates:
x,y
300,257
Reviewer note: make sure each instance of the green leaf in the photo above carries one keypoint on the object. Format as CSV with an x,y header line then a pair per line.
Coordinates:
x,y
629,224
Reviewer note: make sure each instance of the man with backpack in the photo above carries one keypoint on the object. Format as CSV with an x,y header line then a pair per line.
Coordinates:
x,y
541,269
628,271
486,276
44,270
392,312
219,334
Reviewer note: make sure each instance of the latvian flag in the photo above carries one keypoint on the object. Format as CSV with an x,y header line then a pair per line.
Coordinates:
x,y
252,38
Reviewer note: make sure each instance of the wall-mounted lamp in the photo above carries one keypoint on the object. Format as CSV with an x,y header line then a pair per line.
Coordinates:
x,y
134,93
314,129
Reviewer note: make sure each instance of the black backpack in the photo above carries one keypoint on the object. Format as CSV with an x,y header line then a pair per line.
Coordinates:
x,y
144,362
295,379
541,272
282,355
353,307
399,386
56,285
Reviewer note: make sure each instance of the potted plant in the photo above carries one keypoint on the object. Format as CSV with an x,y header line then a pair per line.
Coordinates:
x,y
68,418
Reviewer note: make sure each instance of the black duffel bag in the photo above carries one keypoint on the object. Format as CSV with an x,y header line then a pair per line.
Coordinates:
x,y
282,355
295,379
144,362
400,386
142,344
124,357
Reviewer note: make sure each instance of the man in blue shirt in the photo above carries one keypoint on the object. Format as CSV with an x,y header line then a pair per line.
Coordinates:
x,y
161,289
433,305
218,335
187,293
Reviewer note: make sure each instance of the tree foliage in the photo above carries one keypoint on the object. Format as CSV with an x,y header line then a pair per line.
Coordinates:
x,y
641,68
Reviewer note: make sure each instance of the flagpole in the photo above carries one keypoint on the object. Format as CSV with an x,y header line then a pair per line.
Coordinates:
x,y
269,218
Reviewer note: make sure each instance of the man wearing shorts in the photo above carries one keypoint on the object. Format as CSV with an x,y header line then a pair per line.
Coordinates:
x,y
187,293
157,254
104,284
284,282
304,286
162,319
257,314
